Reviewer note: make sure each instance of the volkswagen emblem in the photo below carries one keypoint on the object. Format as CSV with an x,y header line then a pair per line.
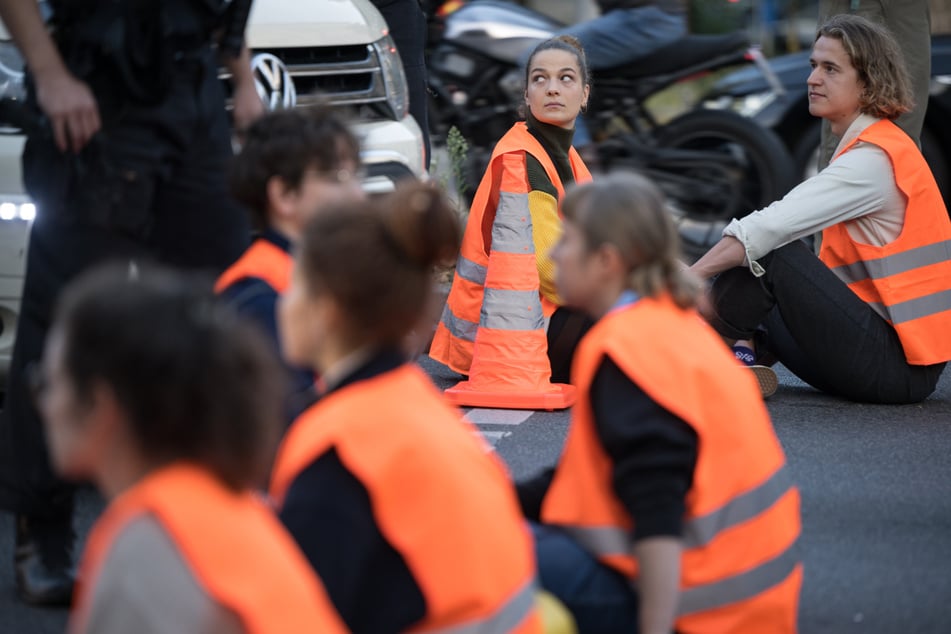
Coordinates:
x,y
273,82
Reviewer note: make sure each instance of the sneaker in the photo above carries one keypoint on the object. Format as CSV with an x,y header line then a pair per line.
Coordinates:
x,y
765,375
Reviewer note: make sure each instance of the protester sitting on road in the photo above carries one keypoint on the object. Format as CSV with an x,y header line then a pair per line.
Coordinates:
x,y
869,319
503,298
171,406
291,164
671,507
408,518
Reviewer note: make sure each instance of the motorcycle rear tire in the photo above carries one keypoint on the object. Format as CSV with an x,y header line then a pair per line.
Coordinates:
x,y
767,174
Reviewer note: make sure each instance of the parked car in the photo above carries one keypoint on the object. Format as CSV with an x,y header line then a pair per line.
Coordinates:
x,y
333,50
746,92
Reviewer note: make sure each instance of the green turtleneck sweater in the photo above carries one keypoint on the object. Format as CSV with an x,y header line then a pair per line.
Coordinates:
x,y
557,142
543,197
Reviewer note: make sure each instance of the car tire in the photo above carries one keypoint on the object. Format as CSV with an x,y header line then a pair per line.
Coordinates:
x,y
767,172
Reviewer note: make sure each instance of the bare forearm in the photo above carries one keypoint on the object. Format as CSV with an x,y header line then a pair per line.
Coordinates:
x,y
247,104
239,66
725,254
658,588
22,18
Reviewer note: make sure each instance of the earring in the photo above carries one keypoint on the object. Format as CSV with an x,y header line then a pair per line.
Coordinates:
x,y
584,107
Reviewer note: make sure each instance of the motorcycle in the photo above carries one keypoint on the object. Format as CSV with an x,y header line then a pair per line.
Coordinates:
x,y
713,165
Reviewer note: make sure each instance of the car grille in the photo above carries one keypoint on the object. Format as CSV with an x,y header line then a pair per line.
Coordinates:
x,y
343,76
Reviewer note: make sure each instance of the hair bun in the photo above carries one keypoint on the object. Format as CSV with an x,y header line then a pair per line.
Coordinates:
x,y
422,223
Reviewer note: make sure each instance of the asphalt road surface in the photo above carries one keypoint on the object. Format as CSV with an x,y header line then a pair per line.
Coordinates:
x,y
876,488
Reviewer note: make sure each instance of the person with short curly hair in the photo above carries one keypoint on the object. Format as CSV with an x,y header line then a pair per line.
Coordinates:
x,y
292,163
870,318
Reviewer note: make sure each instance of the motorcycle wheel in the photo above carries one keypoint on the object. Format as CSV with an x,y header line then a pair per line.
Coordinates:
x,y
746,167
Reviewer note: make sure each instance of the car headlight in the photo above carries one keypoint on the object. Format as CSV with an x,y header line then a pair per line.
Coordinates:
x,y
747,105
11,72
394,78
17,210
939,85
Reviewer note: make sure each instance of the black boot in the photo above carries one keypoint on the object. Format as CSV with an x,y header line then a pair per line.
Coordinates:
x,y
43,560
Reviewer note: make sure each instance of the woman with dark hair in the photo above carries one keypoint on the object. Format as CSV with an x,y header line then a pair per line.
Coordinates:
x,y
171,407
869,319
410,521
671,508
503,308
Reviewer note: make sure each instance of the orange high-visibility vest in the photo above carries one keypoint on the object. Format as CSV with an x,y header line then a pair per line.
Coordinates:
x,y
235,547
501,305
907,281
740,572
264,260
439,497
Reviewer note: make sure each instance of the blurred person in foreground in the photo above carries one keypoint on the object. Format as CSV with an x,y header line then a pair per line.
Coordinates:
x,y
171,406
671,507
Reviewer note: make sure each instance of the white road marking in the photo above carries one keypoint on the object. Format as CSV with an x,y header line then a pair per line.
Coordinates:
x,y
498,416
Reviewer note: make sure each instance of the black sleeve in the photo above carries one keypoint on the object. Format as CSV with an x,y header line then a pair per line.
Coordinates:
x,y
653,451
531,492
328,512
256,301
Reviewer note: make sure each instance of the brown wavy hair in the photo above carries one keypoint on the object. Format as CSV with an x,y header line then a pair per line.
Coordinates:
x,y
569,44
879,61
376,257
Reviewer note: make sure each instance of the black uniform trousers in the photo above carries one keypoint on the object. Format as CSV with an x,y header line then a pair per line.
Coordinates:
x,y
408,28
150,187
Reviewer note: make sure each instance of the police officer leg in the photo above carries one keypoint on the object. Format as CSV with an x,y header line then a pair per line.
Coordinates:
x,y
198,224
42,501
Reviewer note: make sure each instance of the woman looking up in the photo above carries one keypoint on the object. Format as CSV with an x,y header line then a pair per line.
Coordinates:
x,y
503,307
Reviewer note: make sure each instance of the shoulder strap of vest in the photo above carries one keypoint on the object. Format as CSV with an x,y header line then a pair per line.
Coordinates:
x,y
263,260
519,139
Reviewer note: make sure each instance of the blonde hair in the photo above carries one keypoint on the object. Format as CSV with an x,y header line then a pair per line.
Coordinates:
x,y
878,59
628,211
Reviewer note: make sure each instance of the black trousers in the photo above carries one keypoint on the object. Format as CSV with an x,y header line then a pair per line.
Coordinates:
x,y
408,28
818,328
151,186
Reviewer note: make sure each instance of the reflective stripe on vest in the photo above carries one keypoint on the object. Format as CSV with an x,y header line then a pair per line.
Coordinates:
x,y
896,264
262,260
741,525
907,281
742,586
506,619
610,541
470,271
913,309
460,328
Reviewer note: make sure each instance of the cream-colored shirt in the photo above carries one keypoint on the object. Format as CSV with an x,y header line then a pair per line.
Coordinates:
x,y
857,188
